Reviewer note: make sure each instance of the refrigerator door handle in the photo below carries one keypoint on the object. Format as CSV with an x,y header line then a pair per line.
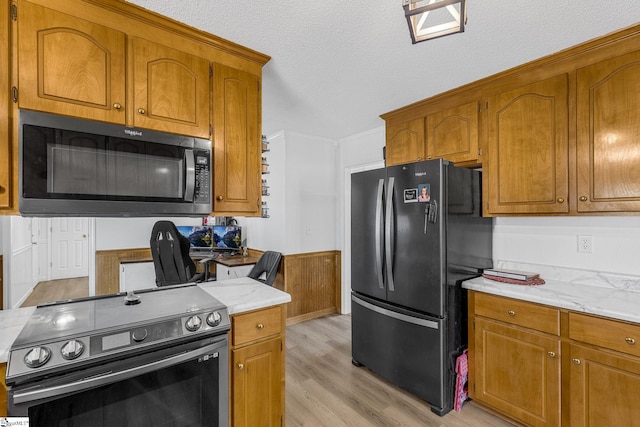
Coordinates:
x,y
378,233
399,316
389,246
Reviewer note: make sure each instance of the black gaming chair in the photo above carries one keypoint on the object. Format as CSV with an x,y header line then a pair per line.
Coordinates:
x,y
170,253
267,265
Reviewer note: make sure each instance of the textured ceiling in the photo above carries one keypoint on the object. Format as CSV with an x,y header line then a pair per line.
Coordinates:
x,y
337,65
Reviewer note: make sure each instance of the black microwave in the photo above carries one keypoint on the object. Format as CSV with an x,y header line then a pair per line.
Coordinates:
x,y
77,167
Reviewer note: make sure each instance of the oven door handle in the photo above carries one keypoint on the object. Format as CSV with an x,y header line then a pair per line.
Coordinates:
x,y
113,377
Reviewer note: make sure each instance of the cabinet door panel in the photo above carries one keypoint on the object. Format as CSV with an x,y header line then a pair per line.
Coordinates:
x,y
604,388
608,96
528,149
171,90
70,66
257,381
6,159
237,147
453,134
518,372
405,142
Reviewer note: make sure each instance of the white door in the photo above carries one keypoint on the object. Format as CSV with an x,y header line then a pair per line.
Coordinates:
x,y
69,248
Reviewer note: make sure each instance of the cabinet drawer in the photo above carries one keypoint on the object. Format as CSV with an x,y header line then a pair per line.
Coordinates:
x,y
612,334
521,313
256,325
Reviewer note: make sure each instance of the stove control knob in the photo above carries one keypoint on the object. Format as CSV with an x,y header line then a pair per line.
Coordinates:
x,y
193,323
214,319
37,357
72,349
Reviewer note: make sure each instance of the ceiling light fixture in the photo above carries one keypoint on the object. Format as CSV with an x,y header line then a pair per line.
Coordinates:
x,y
429,19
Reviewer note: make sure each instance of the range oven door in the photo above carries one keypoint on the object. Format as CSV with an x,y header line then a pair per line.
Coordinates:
x,y
76,166
186,385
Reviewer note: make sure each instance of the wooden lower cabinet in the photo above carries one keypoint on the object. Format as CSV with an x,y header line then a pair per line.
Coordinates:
x,y
604,371
3,390
604,388
583,370
517,372
257,368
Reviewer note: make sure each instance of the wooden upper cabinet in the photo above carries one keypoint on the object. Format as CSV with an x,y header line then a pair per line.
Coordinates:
x,y
405,143
6,164
528,161
453,134
171,89
236,141
70,66
608,135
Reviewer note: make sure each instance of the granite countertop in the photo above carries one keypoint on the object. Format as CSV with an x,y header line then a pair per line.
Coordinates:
x,y
239,295
604,294
245,294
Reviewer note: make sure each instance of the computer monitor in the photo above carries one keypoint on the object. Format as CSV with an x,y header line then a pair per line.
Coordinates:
x,y
216,237
227,237
200,236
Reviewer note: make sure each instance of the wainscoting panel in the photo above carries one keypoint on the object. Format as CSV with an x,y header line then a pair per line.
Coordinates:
x,y
313,280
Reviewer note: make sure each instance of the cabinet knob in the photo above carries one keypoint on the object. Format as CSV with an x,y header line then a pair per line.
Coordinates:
x,y
560,200
117,106
630,340
551,353
583,198
240,366
260,326
576,361
511,313
141,111
219,198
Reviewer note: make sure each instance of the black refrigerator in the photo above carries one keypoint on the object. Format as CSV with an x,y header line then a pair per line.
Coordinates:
x,y
417,232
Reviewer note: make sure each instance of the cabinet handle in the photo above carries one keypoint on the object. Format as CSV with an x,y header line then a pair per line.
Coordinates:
x,y
260,326
560,200
141,111
240,366
551,353
583,198
219,198
576,361
117,106
630,340
511,313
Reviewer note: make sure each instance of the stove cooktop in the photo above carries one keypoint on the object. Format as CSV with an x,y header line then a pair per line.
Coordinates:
x,y
81,331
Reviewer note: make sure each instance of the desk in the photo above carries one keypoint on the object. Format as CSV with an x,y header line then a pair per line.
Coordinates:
x,y
234,266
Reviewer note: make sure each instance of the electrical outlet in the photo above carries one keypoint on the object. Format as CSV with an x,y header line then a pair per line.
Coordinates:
x,y
585,245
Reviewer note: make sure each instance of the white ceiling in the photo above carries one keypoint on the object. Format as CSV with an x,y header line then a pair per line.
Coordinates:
x,y
337,65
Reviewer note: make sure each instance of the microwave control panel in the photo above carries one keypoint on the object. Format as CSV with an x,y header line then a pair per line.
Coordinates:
x,y
202,193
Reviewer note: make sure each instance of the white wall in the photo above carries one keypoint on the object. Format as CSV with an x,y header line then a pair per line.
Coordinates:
x,y
20,271
303,200
129,233
268,233
553,241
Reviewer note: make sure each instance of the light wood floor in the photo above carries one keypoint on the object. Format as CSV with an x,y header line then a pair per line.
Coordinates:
x,y
325,389
58,290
